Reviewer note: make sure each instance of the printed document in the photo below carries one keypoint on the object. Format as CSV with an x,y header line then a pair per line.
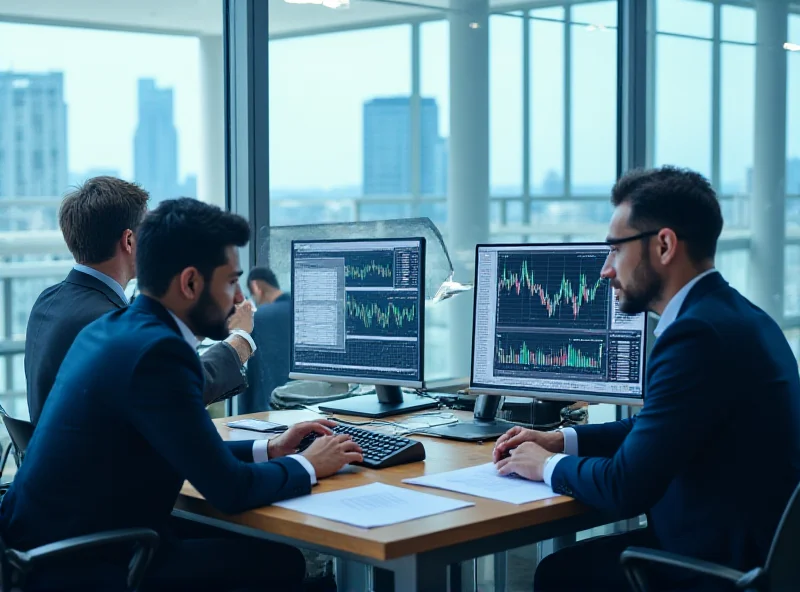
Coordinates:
x,y
373,505
484,481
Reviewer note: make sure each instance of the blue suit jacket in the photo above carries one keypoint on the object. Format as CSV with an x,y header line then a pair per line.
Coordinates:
x,y
714,454
124,425
269,366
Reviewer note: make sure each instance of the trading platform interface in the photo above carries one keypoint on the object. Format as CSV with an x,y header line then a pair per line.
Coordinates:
x,y
545,321
357,309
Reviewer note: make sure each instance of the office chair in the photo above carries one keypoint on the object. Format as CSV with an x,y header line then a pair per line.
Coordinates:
x,y
16,566
781,573
20,432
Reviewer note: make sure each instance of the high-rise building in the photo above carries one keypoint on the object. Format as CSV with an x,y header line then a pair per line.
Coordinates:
x,y
33,135
156,143
793,176
387,147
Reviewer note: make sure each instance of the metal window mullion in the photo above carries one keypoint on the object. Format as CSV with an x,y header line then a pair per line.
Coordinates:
x,y
716,100
415,121
567,100
526,119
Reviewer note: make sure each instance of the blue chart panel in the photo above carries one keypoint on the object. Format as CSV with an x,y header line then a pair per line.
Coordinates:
x,y
370,269
552,290
363,357
382,314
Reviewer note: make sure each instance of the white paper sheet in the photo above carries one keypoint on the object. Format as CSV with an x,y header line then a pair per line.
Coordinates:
x,y
373,505
483,481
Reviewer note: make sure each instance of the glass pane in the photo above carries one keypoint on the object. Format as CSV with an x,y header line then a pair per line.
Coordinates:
x,y
685,17
791,300
331,96
505,100
547,104
737,78
733,265
683,103
69,112
793,335
594,110
738,24
599,14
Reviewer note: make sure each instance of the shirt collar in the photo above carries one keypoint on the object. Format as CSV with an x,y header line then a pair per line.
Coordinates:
x,y
186,332
673,307
106,279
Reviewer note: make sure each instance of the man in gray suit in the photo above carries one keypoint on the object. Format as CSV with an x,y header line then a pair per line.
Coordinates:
x,y
99,221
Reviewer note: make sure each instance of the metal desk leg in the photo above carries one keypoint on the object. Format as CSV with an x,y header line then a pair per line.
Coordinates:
x,y
500,571
420,573
351,575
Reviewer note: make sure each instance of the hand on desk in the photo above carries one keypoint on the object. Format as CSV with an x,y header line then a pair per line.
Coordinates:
x,y
551,441
526,460
289,441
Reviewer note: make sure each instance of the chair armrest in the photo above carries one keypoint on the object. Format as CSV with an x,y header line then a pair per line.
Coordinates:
x,y
145,539
633,557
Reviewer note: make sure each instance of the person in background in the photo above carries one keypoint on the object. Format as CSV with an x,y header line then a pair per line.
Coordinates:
x,y
263,285
125,426
98,221
714,455
272,333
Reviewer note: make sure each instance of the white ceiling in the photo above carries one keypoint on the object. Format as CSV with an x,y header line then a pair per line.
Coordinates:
x,y
204,17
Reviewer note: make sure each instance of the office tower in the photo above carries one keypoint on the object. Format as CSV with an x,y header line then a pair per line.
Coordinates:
x,y
793,176
33,135
387,147
156,143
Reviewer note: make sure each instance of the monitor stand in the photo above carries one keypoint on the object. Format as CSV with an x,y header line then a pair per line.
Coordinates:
x,y
484,425
390,401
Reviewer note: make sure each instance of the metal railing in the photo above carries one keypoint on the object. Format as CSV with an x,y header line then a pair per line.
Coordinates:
x,y
512,218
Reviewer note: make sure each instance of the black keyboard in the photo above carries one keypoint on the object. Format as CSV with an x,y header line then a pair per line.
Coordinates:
x,y
379,450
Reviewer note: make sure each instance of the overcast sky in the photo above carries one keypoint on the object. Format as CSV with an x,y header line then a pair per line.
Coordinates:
x,y
318,86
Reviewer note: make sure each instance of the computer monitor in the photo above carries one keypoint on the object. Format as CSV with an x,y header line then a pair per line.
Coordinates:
x,y
547,326
358,317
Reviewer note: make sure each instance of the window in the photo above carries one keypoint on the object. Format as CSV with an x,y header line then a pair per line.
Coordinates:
x,y
76,113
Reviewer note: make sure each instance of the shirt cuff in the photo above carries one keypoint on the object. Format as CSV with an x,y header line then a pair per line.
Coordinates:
x,y
570,441
247,337
306,465
260,451
549,466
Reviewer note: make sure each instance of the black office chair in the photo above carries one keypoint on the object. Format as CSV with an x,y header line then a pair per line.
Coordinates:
x,y
780,574
16,566
20,432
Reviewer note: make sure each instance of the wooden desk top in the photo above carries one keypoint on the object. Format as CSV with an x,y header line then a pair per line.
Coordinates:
x,y
485,518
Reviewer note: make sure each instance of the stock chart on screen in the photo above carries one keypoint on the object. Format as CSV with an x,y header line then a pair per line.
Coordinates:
x,y
546,320
357,308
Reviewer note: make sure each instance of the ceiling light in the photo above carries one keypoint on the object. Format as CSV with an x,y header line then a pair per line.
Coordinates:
x,y
791,46
326,3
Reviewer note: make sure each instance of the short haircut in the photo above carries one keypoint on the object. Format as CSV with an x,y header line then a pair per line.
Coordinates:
x,y
675,198
265,274
93,217
183,233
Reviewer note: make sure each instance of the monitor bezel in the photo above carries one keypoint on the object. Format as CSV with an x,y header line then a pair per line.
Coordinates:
x,y
546,394
334,378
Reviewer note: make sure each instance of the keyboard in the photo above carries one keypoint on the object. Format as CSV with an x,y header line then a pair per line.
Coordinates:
x,y
379,450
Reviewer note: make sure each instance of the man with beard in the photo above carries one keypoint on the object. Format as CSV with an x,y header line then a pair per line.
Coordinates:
x,y
713,457
125,425
98,221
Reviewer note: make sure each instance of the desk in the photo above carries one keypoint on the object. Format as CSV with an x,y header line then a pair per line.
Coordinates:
x,y
418,552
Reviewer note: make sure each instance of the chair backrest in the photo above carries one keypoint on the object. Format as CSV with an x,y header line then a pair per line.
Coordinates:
x,y
20,432
783,568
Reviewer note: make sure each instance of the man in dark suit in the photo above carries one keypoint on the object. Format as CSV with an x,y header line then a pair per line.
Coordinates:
x,y
98,221
714,454
272,332
125,425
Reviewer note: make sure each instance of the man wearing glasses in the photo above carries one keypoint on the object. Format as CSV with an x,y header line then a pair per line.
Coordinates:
x,y
713,457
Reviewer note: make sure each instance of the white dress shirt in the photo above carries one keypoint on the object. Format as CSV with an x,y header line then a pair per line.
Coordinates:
x,y
260,447
106,279
668,317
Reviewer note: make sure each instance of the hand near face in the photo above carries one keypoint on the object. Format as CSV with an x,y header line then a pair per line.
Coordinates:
x,y
242,318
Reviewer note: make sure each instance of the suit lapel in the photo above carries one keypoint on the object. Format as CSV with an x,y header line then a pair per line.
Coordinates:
x,y
87,281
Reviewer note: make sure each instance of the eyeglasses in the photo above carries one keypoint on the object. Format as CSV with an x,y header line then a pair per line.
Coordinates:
x,y
627,239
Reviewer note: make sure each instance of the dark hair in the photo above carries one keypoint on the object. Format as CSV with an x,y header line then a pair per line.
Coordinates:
x,y
94,216
183,233
264,274
675,198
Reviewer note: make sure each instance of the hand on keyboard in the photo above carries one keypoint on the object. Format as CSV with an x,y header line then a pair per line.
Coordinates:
x,y
379,451
328,454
